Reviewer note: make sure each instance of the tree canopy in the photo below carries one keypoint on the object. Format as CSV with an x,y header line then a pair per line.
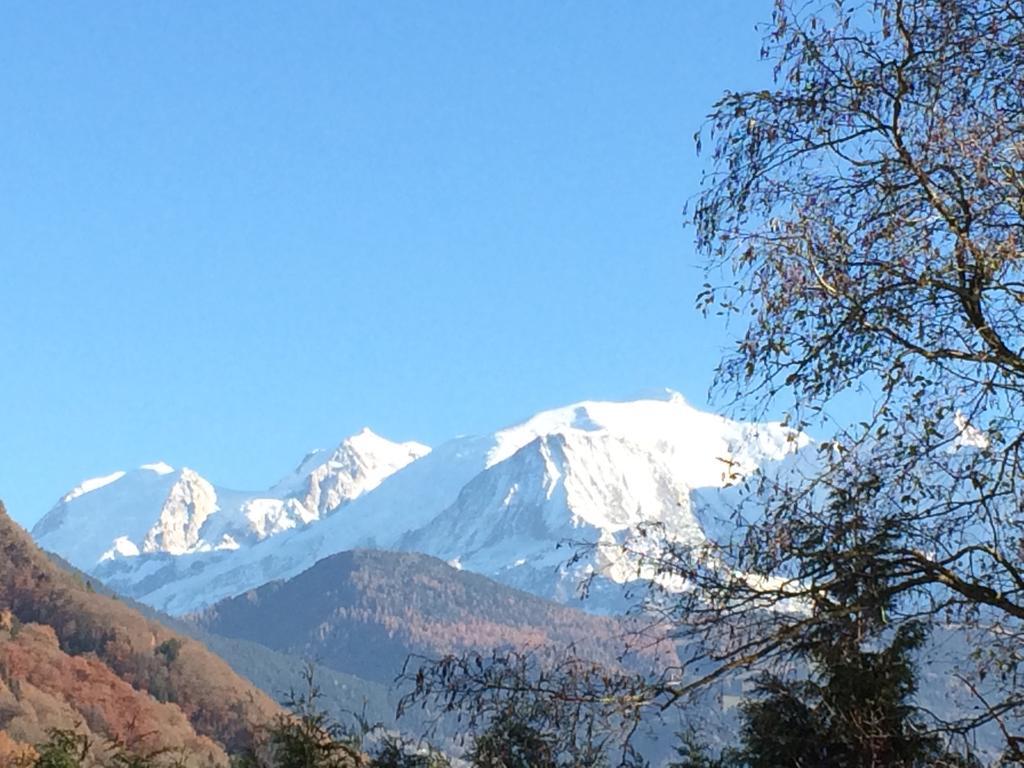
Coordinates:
x,y
862,223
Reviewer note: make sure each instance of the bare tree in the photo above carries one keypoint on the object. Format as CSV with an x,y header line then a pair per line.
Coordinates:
x,y
862,222
523,708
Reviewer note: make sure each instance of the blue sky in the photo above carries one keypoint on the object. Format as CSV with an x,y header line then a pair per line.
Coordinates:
x,y
235,231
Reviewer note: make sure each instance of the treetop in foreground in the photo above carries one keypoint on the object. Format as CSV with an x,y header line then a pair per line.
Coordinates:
x,y
862,221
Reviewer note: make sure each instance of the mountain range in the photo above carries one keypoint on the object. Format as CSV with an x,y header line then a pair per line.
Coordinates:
x,y
75,656
499,504
376,550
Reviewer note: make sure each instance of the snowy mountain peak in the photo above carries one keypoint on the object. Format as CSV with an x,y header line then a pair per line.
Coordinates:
x,y
188,505
577,484
157,509
498,504
708,450
92,484
325,481
95,483
376,456
358,465
114,514
366,441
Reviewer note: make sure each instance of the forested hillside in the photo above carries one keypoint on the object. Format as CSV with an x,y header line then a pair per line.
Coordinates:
x,y
73,658
365,611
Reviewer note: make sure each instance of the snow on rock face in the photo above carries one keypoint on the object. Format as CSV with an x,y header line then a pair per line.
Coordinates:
x,y
359,464
123,547
597,473
102,516
704,449
500,504
188,505
407,500
578,485
269,517
158,510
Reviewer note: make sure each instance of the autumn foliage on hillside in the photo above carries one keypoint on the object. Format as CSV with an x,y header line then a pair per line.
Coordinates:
x,y
71,658
43,688
364,611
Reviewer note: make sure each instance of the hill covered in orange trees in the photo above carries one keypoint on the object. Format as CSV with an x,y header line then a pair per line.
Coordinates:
x,y
364,611
74,659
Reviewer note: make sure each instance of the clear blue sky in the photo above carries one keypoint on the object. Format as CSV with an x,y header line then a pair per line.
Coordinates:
x,y
234,231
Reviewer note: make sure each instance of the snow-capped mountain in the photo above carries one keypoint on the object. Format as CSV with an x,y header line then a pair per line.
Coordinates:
x,y
498,504
156,509
359,464
592,472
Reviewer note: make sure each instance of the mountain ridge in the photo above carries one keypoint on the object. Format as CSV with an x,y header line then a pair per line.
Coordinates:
x,y
366,611
71,657
158,509
498,504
